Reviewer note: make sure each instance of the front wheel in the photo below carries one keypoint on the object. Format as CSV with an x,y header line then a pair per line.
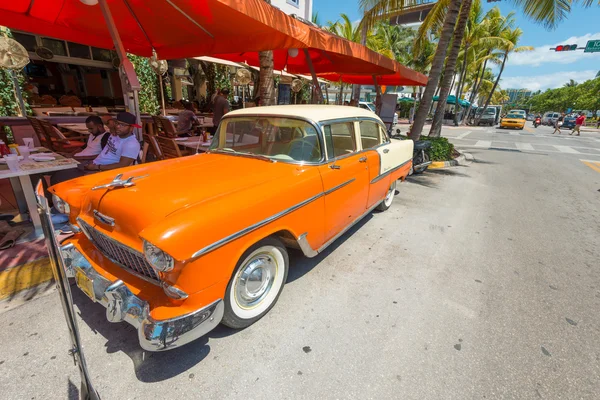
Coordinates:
x,y
389,198
256,283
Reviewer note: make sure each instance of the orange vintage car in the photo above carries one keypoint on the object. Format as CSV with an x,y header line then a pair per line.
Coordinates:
x,y
176,247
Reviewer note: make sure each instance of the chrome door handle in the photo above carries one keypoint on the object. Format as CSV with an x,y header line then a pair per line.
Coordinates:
x,y
362,159
334,166
385,151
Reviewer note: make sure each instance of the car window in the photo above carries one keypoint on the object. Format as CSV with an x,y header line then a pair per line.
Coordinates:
x,y
369,134
283,139
339,139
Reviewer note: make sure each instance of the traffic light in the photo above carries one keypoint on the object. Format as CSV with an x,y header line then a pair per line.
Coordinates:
x,y
566,47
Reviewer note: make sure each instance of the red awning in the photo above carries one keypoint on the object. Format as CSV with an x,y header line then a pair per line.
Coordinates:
x,y
230,29
404,77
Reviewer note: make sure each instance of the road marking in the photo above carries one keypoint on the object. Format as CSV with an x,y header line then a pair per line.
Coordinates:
x,y
595,165
514,134
524,146
566,149
528,129
463,135
483,143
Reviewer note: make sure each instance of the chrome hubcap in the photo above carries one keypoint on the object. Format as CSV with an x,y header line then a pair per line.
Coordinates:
x,y
255,280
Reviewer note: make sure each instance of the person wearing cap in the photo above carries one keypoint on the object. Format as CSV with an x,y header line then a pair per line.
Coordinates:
x,y
121,150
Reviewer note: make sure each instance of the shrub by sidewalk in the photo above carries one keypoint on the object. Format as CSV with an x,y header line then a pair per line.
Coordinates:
x,y
441,149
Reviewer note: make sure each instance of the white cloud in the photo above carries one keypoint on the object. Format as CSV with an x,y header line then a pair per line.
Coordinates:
x,y
548,81
543,55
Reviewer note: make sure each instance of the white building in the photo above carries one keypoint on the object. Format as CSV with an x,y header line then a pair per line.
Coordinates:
x,y
302,8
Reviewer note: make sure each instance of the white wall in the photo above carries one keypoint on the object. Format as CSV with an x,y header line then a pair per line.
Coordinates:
x,y
302,9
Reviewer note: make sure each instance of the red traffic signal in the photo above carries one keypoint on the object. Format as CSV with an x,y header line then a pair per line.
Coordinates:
x,y
566,47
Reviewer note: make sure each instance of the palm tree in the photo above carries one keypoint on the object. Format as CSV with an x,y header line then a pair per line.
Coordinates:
x,y
267,82
315,19
571,83
512,37
459,30
496,24
500,97
549,12
446,10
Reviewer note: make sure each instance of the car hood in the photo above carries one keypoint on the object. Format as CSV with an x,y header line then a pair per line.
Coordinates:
x,y
163,189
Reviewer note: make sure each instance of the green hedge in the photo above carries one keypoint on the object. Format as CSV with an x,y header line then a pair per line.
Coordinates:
x,y
441,149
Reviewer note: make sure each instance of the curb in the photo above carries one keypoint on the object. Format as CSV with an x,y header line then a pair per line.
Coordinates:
x,y
460,160
24,276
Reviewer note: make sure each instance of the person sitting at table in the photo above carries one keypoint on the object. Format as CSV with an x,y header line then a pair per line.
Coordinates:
x,y
96,141
121,150
186,121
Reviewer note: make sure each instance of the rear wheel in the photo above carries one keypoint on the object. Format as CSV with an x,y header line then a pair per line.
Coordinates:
x,y
389,198
256,283
420,159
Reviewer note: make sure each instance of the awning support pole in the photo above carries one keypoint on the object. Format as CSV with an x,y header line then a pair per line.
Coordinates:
x,y
162,94
129,80
378,96
18,93
316,84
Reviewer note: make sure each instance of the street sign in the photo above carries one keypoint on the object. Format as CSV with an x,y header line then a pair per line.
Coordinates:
x,y
592,46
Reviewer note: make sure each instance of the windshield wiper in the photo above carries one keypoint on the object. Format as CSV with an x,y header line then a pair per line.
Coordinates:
x,y
240,154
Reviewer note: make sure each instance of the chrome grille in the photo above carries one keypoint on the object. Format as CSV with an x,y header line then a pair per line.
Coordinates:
x,y
120,254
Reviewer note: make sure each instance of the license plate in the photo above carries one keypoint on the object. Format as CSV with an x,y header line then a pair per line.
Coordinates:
x,y
85,284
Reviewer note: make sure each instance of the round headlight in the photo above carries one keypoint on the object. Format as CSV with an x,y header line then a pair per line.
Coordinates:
x,y
60,205
158,258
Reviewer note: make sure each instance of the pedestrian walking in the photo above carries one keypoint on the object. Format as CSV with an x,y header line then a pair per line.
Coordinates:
x,y
578,123
558,123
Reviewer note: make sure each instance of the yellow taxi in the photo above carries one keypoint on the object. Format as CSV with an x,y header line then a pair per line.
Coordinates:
x,y
513,121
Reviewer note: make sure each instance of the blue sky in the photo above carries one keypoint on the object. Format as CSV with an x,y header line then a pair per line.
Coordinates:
x,y
539,69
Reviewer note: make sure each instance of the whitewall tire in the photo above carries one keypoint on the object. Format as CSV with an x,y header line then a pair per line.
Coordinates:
x,y
389,197
256,283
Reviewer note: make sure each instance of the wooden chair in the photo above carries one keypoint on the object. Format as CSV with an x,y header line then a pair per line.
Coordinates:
x,y
60,143
169,148
158,128
70,100
43,138
48,100
151,145
168,129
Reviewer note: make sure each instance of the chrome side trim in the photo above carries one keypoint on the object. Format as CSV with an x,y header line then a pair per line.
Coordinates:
x,y
310,252
333,189
386,173
265,221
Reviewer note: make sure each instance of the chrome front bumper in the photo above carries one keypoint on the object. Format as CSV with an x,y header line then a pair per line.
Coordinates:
x,y
122,305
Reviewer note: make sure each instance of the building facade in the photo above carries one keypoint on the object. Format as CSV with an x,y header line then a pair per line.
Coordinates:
x,y
302,8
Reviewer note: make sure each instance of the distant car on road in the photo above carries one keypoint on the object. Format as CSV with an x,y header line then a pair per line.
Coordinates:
x,y
488,117
569,122
530,117
550,118
367,105
513,120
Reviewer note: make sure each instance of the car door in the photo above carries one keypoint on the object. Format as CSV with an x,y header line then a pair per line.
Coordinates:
x,y
371,138
345,177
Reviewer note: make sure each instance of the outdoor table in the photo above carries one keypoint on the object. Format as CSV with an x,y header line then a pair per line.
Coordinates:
x,y
195,143
31,167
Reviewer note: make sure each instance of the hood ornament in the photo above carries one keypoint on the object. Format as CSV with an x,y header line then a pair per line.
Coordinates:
x,y
117,183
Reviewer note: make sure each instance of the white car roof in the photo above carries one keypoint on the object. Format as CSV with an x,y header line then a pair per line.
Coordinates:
x,y
306,111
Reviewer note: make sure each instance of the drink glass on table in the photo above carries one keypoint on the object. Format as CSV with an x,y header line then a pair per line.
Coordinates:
x,y
12,160
28,142
24,151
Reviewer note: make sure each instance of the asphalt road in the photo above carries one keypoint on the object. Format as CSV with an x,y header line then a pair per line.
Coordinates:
x,y
481,281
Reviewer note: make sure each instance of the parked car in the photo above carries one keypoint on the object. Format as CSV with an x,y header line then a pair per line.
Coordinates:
x,y
550,118
367,105
513,120
530,117
176,247
488,117
569,122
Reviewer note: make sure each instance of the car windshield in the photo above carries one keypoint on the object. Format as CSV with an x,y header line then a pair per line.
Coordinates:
x,y
370,106
514,116
490,111
271,138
